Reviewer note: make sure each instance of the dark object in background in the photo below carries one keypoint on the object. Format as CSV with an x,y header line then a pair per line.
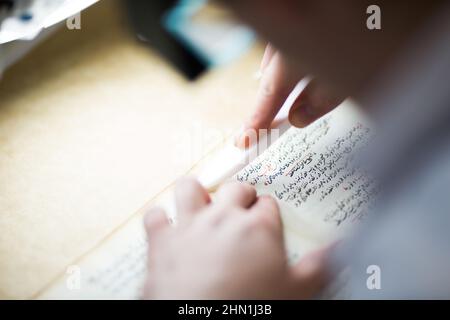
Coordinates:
x,y
192,34
8,7
146,17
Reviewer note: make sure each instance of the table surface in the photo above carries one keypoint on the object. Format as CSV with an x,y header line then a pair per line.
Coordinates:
x,y
92,125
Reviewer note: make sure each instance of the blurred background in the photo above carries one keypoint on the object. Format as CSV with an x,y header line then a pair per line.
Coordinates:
x,y
93,124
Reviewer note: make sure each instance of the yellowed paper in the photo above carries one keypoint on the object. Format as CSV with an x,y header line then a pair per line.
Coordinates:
x,y
116,270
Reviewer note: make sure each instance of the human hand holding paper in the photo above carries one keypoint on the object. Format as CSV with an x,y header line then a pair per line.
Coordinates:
x,y
230,248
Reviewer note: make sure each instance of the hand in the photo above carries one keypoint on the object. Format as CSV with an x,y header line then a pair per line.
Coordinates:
x,y
231,248
277,82
329,41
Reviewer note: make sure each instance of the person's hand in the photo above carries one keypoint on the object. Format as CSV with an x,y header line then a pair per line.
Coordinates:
x,y
231,248
329,41
277,82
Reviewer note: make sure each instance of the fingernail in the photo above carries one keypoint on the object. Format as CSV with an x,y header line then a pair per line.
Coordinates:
x,y
303,115
310,110
296,119
268,54
265,62
242,141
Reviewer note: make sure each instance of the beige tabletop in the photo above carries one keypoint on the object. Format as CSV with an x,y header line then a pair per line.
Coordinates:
x,y
92,126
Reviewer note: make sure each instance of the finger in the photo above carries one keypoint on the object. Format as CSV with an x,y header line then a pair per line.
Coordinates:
x,y
154,222
276,85
236,194
310,274
190,197
311,104
267,211
267,57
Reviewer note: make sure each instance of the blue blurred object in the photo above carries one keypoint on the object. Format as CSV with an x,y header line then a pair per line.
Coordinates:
x,y
192,44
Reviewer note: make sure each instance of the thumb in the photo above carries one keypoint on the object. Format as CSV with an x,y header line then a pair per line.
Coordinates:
x,y
311,104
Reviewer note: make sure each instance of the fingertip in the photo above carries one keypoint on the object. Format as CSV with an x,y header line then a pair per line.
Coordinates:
x,y
268,209
302,116
190,197
186,181
155,219
192,185
251,189
270,202
236,194
314,102
269,52
246,138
